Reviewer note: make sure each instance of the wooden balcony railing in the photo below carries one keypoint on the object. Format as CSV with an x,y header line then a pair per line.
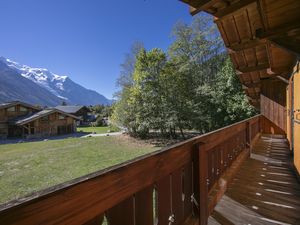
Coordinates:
x,y
164,188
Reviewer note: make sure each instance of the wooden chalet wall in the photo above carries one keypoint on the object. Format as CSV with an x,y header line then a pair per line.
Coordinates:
x,y
273,106
5,115
293,115
53,126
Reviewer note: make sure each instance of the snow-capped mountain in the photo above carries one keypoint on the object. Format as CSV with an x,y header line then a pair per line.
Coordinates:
x,y
62,87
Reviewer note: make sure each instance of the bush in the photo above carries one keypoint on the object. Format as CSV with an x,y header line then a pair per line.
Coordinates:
x,y
99,122
113,128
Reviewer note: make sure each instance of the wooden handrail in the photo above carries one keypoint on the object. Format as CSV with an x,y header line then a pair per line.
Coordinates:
x,y
216,154
124,193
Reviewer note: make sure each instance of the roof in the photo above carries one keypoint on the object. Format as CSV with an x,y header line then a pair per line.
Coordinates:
x,y
70,108
14,103
262,38
29,118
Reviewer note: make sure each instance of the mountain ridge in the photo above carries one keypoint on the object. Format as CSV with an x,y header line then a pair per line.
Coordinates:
x,y
58,88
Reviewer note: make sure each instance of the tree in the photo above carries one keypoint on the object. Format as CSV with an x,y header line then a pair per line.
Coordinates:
x,y
123,114
192,86
231,98
146,95
125,79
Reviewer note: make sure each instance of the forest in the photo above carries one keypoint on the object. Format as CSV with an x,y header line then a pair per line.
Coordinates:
x,y
190,87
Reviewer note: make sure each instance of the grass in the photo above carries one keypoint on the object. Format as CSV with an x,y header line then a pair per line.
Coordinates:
x,y
29,167
97,130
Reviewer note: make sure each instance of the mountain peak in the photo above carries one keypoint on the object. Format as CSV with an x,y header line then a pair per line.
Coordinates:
x,y
60,86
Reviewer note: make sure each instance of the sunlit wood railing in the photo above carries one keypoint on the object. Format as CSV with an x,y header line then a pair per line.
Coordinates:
x,y
164,188
217,151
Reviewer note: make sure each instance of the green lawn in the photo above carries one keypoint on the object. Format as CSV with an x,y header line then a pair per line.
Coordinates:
x,y
28,167
97,130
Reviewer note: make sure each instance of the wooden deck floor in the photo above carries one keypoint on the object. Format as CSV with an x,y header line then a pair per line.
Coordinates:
x,y
265,190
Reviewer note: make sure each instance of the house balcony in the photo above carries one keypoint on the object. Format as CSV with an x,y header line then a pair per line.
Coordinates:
x,y
234,175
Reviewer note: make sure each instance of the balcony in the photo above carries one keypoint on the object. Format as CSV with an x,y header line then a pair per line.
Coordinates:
x,y
265,189
208,179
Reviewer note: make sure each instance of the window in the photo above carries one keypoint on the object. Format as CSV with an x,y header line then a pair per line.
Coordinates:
x,y
61,117
23,109
11,109
45,118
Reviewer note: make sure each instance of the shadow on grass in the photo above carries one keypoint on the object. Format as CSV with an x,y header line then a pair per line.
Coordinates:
x,y
58,137
156,140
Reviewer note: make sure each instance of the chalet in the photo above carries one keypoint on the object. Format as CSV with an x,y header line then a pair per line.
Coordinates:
x,y
10,111
245,173
79,111
18,119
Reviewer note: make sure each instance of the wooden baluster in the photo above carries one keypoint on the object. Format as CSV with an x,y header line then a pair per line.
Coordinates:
x,y
222,167
219,160
164,200
210,166
144,207
213,169
229,151
188,190
248,134
177,191
225,154
96,221
259,125
232,149
215,163
122,214
195,179
203,187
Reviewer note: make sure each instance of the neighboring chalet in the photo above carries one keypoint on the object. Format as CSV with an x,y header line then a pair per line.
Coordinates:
x,y
79,111
18,119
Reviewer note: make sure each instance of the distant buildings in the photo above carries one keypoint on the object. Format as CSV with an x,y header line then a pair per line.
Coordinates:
x,y
81,112
19,119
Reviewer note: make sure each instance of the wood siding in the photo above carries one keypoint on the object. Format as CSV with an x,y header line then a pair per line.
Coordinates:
x,y
296,112
40,127
5,114
268,127
53,126
289,113
273,104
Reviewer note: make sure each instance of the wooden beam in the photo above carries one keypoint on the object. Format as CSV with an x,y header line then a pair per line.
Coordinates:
x,y
282,79
262,15
246,44
251,85
248,69
281,31
253,94
200,5
253,99
279,71
25,127
288,43
196,3
233,8
197,6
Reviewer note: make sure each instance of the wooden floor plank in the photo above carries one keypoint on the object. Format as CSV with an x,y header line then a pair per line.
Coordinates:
x,y
265,190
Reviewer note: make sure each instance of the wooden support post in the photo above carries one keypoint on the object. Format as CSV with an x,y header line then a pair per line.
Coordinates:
x,y
260,124
248,133
203,188
196,180
29,129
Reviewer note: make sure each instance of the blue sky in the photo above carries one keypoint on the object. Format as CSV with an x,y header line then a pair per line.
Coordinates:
x,y
85,39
